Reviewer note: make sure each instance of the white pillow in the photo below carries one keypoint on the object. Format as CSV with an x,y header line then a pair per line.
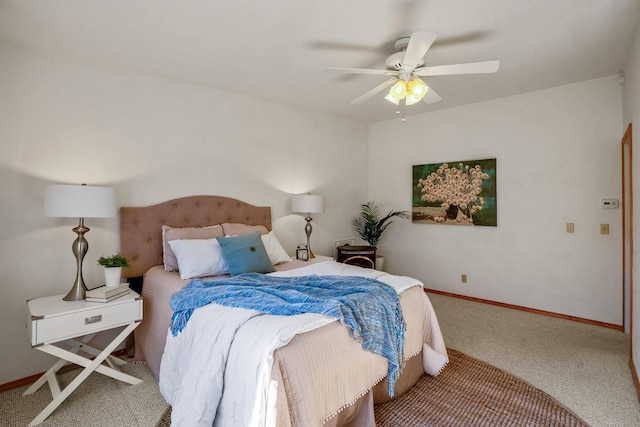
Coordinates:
x,y
173,233
199,258
275,251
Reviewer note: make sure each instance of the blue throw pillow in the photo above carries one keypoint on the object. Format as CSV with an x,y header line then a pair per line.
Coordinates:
x,y
245,254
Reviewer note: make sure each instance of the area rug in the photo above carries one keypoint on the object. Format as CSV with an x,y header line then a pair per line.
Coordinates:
x,y
468,393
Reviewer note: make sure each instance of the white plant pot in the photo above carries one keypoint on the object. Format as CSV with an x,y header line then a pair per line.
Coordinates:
x,y
112,276
379,262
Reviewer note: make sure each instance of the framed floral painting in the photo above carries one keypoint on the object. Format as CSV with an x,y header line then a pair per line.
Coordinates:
x,y
456,193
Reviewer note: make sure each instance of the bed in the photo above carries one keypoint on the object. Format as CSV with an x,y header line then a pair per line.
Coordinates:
x,y
317,377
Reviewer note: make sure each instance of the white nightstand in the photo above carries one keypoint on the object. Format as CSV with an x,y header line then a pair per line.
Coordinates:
x,y
53,320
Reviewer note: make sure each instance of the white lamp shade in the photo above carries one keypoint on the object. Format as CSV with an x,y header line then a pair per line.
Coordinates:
x,y
307,203
79,201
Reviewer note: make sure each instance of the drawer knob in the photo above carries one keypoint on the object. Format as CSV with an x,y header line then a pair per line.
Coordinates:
x,y
93,319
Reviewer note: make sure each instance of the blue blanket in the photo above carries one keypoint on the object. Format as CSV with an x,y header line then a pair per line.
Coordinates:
x,y
369,308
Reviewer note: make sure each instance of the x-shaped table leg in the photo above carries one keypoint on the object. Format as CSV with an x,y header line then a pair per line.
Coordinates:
x,y
89,365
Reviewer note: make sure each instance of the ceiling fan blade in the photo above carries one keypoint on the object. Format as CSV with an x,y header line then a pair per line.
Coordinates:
x,y
375,90
419,44
350,47
360,71
462,38
480,67
431,97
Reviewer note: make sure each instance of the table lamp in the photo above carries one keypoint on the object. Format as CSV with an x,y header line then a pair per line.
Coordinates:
x,y
79,201
308,203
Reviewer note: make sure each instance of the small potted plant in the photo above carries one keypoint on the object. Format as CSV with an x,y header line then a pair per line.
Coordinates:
x,y
371,224
113,268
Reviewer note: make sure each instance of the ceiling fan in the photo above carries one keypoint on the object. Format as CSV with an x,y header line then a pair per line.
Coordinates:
x,y
407,66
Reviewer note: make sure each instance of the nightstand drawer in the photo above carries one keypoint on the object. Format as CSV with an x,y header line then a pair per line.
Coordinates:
x,y
84,318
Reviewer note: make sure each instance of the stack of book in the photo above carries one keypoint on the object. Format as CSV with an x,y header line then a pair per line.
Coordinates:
x,y
107,293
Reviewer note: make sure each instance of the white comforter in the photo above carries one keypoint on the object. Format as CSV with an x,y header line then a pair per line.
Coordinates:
x,y
217,370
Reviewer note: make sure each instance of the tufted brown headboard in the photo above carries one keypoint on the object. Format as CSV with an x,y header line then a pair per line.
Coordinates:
x,y
141,227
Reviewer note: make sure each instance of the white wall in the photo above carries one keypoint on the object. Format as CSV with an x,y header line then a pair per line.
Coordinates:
x,y
152,139
67,120
557,154
631,102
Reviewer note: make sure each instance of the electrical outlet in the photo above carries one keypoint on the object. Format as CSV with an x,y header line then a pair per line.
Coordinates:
x,y
571,227
604,228
464,278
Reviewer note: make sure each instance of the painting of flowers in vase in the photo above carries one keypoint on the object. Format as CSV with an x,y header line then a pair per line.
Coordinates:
x,y
455,193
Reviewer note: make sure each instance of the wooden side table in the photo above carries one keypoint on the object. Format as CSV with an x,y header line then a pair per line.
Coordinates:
x,y
362,256
53,320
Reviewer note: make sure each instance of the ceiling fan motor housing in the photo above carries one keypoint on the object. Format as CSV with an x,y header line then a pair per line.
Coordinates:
x,y
394,61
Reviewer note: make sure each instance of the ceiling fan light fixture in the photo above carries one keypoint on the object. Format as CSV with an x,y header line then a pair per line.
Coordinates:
x,y
397,92
417,88
411,99
392,98
412,92
399,89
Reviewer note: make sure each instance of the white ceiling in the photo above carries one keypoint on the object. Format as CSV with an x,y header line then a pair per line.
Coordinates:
x,y
277,49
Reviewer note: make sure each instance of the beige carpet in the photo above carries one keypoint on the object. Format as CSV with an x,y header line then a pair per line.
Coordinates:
x,y
584,367
98,402
468,393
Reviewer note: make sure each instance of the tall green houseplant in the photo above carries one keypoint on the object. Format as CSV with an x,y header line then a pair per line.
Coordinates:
x,y
371,224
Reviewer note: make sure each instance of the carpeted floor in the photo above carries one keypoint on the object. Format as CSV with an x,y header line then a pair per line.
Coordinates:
x,y
468,393
98,402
